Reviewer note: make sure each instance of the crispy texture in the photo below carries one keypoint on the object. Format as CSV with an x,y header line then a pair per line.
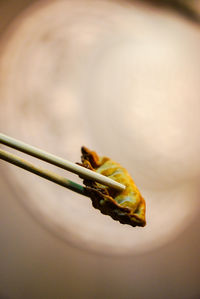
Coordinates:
x,y
128,206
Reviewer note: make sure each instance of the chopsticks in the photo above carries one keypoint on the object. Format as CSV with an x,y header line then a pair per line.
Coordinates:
x,y
51,176
62,163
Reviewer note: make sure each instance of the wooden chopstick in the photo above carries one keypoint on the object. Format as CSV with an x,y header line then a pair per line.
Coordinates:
x,y
49,175
62,163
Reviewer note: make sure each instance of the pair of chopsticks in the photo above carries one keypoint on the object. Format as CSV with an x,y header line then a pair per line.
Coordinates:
x,y
52,159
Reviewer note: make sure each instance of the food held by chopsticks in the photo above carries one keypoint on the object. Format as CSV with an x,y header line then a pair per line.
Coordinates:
x,y
108,184
127,206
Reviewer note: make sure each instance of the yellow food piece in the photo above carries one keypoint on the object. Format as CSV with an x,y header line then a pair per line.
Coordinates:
x,y
127,206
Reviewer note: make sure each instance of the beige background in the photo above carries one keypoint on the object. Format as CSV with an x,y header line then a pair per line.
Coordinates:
x,y
36,264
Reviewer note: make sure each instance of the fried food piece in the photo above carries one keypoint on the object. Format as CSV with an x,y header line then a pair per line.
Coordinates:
x,y
128,206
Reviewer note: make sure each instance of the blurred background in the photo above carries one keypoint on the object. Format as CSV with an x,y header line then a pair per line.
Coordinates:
x,y
121,77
